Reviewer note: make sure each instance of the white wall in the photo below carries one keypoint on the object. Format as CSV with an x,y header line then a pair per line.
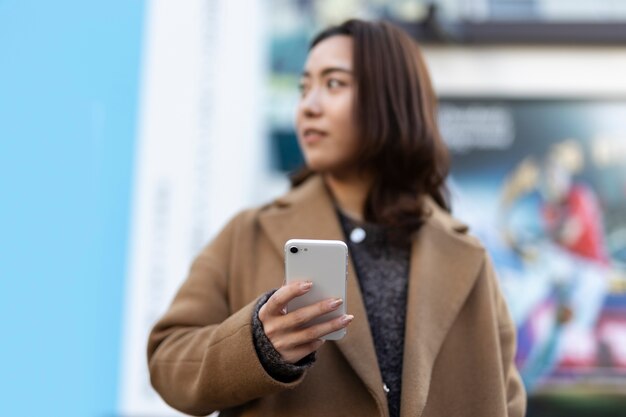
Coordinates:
x,y
200,158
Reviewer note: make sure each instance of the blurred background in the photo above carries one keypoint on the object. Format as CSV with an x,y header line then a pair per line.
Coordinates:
x,y
130,131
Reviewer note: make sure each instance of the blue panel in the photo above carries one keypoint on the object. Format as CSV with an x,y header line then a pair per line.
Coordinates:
x,y
69,81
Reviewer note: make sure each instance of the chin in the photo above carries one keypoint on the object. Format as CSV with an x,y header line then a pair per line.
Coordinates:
x,y
314,163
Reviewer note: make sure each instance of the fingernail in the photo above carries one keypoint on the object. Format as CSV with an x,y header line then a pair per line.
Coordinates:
x,y
347,318
306,285
335,303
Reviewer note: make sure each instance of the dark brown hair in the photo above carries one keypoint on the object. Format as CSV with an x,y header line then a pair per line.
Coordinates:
x,y
395,111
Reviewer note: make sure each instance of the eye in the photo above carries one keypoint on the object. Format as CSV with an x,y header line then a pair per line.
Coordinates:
x,y
334,83
303,88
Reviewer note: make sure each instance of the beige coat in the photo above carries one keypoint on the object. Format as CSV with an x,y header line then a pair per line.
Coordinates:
x,y
459,340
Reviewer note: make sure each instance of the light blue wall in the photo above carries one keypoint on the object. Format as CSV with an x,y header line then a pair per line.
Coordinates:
x,y
69,84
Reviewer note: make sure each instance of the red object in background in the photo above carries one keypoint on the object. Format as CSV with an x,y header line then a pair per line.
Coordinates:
x,y
581,206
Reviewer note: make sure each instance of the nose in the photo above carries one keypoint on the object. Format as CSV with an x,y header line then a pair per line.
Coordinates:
x,y
310,104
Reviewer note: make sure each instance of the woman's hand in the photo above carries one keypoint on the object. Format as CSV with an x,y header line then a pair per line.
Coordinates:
x,y
285,330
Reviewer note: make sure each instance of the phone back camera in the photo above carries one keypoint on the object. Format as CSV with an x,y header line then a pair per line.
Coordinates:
x,y
293,249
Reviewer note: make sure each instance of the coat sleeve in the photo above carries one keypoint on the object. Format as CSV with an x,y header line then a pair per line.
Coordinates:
x,y
201,354
515,392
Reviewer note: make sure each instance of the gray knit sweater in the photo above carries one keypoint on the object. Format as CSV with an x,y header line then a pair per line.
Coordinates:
x,y
382,270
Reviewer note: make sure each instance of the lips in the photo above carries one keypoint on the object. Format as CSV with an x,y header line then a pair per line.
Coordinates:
x,y
311,135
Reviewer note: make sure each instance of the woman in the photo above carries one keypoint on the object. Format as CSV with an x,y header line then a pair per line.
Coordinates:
x,y
428,330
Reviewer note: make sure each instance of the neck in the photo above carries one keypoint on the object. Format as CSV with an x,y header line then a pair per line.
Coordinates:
x,y
350,192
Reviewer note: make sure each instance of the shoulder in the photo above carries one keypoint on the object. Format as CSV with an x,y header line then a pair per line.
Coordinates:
x,y
300,198
449,227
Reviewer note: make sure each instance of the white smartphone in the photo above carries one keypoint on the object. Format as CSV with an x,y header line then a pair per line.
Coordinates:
x,y
325,263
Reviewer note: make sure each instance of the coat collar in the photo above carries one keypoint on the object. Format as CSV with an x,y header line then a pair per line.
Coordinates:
x,y
444,264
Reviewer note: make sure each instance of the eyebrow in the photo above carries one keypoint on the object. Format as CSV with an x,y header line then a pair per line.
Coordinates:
x,y
327,71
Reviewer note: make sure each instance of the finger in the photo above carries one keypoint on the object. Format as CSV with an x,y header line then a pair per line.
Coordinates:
x,y
292,321
322,329
277,303
303,315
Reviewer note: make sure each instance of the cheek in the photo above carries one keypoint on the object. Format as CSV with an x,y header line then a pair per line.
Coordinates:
x,y
343,114
344,119
297,116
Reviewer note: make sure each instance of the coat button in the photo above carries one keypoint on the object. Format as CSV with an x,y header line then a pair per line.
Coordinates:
x,y
357,235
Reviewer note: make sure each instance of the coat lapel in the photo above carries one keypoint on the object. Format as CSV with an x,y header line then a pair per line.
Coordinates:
x,y
443,272
308,213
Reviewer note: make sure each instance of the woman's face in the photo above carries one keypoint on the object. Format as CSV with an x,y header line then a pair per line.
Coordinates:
x,y
324,120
